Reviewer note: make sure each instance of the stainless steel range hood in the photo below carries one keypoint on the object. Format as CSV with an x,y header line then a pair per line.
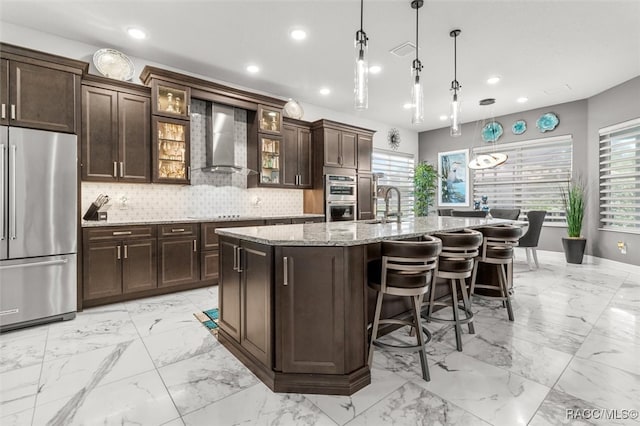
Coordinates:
x,y
220,141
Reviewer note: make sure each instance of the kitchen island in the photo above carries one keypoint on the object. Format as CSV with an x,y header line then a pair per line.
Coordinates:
x,y
293,298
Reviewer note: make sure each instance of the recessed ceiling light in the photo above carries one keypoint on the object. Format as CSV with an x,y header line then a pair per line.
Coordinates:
x,y
136,33
522,99
493,80
253,69
443,117
325,91
298,34
375,69
408,105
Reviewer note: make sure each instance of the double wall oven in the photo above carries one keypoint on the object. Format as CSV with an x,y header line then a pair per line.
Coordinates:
x,y
340,197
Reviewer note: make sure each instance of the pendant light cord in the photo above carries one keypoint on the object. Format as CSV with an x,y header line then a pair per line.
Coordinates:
x,y
361,14
455,58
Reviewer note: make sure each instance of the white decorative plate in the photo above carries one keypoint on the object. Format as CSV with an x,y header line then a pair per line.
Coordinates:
x,y
113,64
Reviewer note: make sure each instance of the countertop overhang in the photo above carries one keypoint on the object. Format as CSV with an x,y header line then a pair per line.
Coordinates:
x,y
354,232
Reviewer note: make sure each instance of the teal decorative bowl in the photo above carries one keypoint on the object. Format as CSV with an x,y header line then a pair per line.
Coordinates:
x,y
492,131
519,127
547,122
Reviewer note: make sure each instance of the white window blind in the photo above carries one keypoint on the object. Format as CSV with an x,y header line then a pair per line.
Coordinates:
x,y
398,170
620,177
530,179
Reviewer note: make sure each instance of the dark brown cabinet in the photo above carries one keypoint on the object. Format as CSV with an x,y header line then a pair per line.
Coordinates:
x,y
116,132
179,257
366,207
297,158
38,90
118,261
303,220
365,150
246,297
171,154
339,148
170,99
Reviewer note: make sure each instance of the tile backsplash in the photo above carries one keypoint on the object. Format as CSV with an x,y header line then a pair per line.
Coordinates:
x,y
209,195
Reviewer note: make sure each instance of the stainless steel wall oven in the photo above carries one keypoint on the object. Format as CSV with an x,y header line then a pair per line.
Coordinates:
x,y
340,198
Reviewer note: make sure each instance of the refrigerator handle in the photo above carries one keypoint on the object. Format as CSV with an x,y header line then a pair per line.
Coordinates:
x,y
13,215
2,236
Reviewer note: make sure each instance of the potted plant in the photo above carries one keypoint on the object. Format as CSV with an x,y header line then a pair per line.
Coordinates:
x,y
573,198
425,179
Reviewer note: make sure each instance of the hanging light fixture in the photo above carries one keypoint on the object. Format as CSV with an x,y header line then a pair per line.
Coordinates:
x,y
487,161
417,97
361,88
456,125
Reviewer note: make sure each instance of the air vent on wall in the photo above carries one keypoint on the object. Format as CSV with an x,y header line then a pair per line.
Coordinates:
x,y
405,49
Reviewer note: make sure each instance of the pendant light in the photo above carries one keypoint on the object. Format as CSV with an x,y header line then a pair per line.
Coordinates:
x,y
456,125
487,161
417,97
361,88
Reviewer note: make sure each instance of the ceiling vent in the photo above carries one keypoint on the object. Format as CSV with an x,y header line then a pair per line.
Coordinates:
x,y
556,90
405,49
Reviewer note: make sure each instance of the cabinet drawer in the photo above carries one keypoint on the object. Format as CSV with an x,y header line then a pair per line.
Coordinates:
x,y
119,233
178,229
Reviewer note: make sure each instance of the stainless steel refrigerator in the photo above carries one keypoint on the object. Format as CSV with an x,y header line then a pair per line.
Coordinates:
x,y
38,226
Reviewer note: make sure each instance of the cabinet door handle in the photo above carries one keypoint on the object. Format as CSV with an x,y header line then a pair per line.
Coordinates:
x,y
239,259
195,246
285,271
235,258
119,253
121,169
115,169
13,112
177,230
121,232
2,205
189,172
126,251
4,111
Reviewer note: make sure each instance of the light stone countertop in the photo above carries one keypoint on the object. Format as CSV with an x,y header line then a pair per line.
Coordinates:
x,y
93,224
352,233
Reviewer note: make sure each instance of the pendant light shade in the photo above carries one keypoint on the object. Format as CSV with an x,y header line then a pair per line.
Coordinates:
x,y
361,80
456,124
417,96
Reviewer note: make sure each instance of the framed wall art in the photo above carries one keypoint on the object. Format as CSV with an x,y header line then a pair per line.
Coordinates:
x,y
453,186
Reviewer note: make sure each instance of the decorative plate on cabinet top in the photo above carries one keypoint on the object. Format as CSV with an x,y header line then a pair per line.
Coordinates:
x,y
293,109
113,64
519,127
547,122
492,131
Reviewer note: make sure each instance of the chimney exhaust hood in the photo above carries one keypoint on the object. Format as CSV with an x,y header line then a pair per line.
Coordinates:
x,y
220,141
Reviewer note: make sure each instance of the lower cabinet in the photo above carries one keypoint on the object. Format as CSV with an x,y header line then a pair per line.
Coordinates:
x,y
366,207
179,260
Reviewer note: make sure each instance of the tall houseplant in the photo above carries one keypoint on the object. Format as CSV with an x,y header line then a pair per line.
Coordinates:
x,y
425,179
573,199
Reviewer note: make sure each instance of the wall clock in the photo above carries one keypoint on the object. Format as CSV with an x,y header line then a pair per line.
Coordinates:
x,y
394,138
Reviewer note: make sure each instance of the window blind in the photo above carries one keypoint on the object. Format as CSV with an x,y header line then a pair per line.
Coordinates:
x,y
530,179
620,177
398,171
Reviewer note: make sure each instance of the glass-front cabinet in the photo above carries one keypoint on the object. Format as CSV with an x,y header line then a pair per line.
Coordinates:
x,y
171,100
270,150
270,120
171,153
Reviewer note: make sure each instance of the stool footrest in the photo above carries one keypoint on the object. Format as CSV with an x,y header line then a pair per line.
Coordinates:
x,y
466,320
403,348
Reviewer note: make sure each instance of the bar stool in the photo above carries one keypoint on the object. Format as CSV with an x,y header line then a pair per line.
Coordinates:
x,y
497,249
406,269
455,265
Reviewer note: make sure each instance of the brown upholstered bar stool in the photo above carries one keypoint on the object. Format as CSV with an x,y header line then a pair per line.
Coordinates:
x,y
455,265
406,269
497,249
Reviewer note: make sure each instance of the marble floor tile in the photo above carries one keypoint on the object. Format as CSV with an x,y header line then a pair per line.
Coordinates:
x,y
18,389
601,385
22,352
87,370
613,352
495,395
266,408
628,294
414,405
149,324
619,322
530,360
204,379
174,422
21,418
343,409
168,304
204,298
179,344
141,399
553,412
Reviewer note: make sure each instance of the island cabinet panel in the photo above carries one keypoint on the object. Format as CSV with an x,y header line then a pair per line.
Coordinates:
x,y
366,207
229,288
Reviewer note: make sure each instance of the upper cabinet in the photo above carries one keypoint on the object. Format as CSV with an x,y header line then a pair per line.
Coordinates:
x,y
297,165
269,120
38,90
116,131
342,146
171,150
170,100
365,150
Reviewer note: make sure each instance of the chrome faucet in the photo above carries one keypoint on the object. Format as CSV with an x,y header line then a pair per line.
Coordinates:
x,y
385,191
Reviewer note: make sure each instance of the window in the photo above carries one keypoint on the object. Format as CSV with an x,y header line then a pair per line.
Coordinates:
x,y
530,179
620,177
398,171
